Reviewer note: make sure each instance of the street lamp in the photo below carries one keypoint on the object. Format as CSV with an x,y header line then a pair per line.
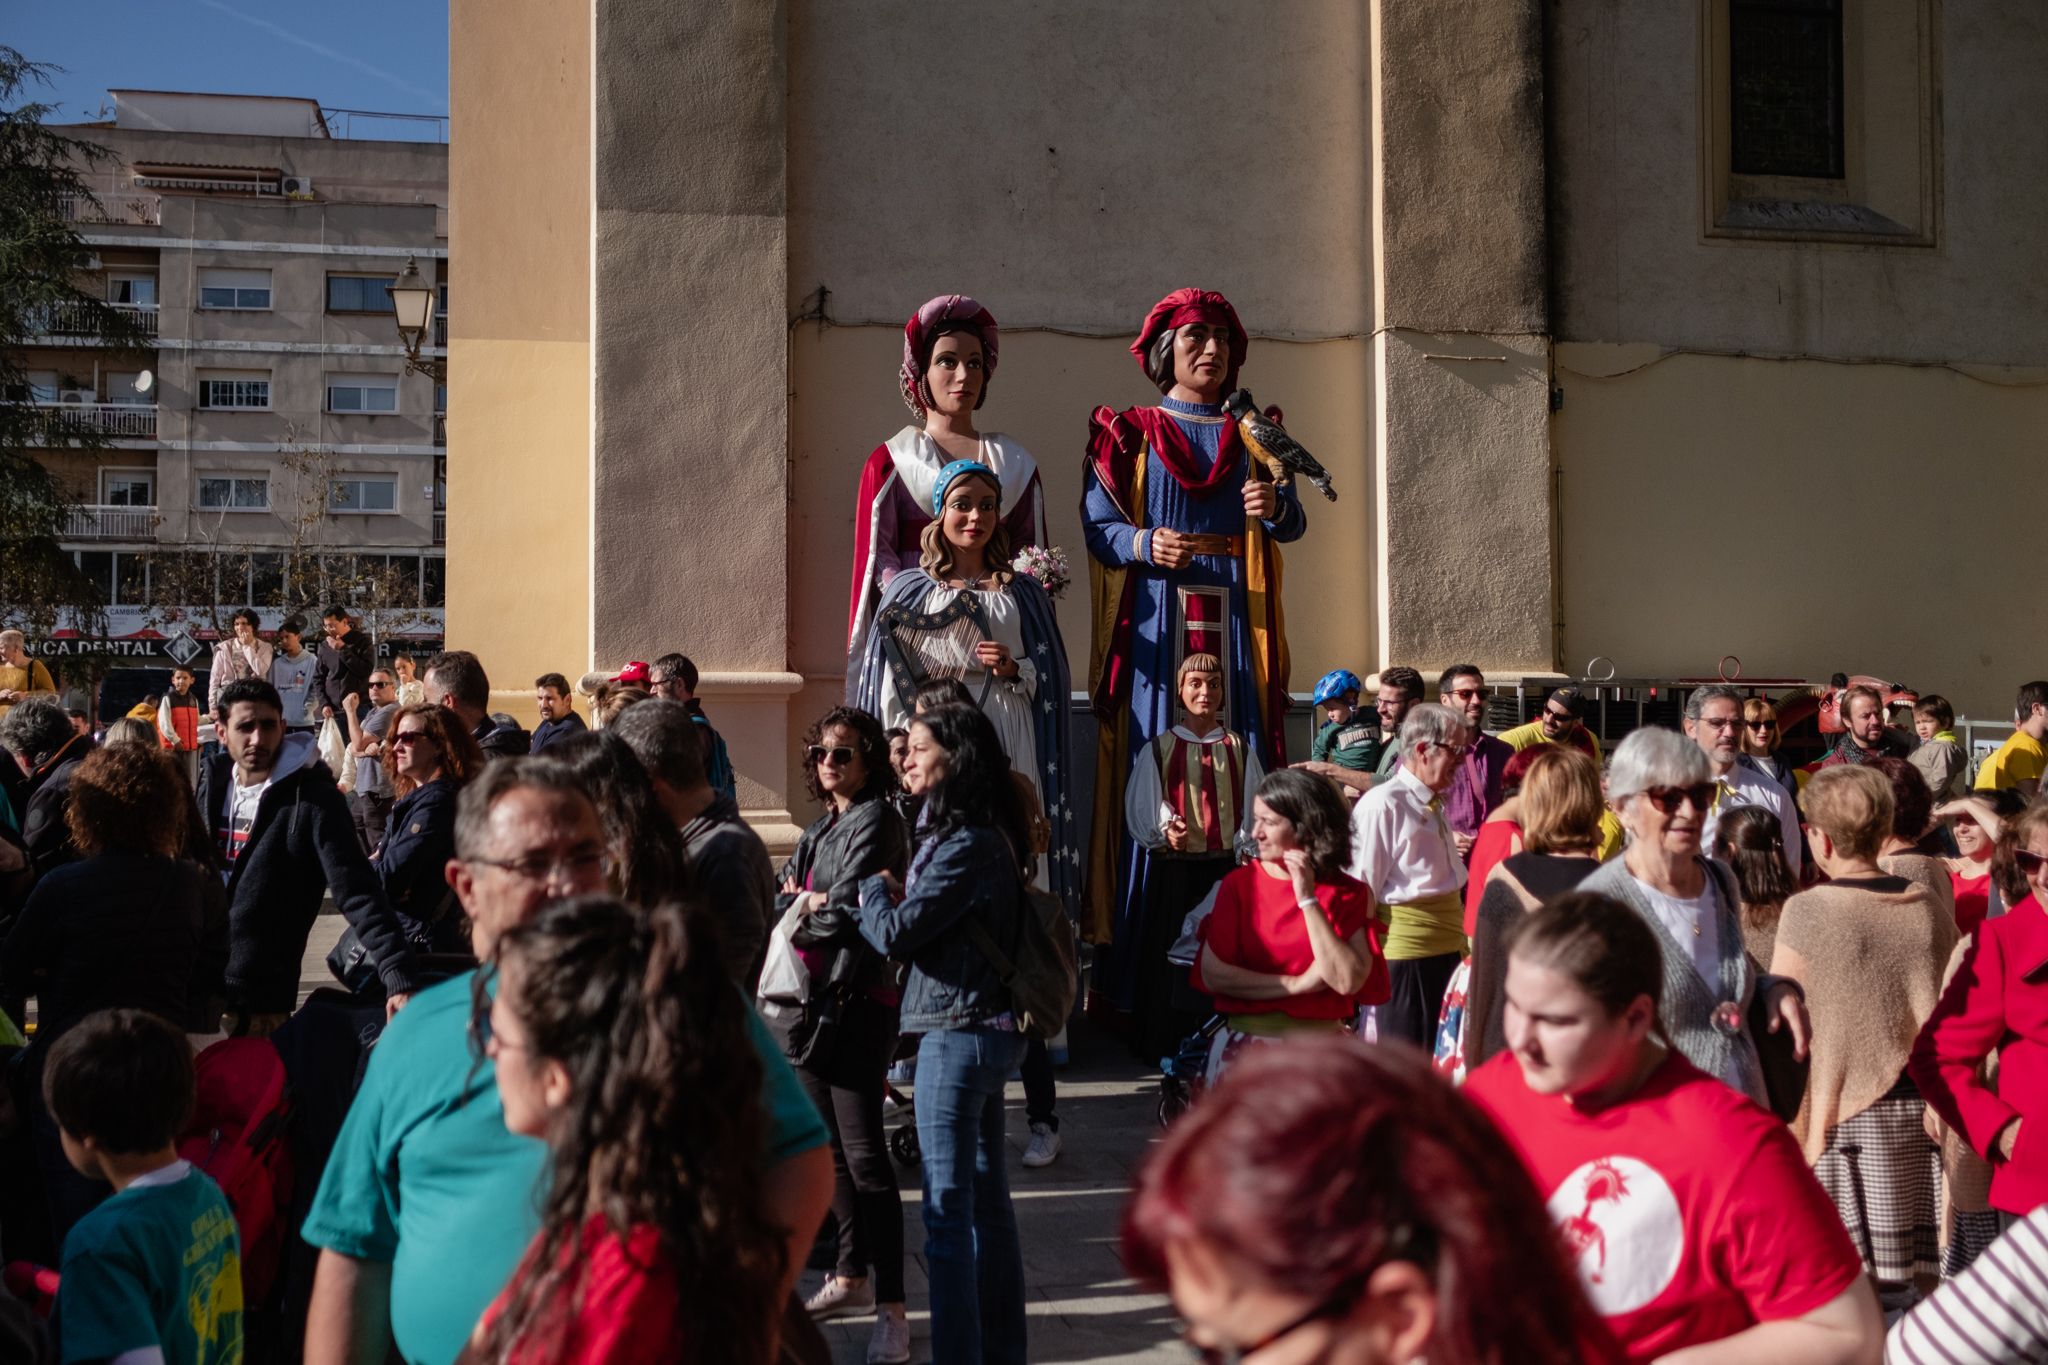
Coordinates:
x,y
412,307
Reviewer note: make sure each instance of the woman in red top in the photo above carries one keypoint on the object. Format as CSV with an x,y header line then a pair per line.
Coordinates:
x,y
1976,821
1698,1231
1338,1203
1290,944
618,1038
1998,998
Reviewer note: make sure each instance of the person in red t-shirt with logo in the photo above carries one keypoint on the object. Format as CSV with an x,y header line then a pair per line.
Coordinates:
x,y
1698,1230
1290,945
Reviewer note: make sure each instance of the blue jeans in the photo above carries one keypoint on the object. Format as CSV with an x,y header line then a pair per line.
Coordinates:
x,y
971,1251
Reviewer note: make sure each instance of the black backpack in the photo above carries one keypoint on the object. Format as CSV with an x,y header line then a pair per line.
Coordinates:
x,y
1041,972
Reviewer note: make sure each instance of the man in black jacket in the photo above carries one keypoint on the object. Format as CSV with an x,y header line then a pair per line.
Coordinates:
x,y
38,731
285,839
342,663
456,679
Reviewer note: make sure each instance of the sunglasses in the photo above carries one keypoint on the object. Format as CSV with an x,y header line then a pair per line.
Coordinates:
x,y
1561,717
406,738
840,754
1468,693
2029,863
1335,1306
1761,724
1669,799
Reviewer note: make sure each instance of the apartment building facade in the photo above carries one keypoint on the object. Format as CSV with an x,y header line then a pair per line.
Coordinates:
x,y
271,427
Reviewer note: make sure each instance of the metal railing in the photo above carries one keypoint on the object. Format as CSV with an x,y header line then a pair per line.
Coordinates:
x,y
95,521
81,320
213,185
440,429
440,528
138,210
102,419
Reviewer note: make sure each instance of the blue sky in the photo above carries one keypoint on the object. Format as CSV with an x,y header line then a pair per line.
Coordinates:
x,y
385,55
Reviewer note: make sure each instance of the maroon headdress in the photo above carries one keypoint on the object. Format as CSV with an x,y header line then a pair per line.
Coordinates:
x,y
922,332
1177,309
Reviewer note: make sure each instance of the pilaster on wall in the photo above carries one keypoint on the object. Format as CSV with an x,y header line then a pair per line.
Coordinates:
x,y
1461,356
690,434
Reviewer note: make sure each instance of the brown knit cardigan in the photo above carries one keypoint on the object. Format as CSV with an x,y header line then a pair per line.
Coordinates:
x,y
1871,963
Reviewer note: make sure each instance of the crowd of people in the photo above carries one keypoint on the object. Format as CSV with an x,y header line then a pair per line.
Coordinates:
x,y
1512,1047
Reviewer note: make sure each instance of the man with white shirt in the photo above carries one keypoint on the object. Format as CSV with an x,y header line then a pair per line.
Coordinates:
x,y
1713,720
1402,848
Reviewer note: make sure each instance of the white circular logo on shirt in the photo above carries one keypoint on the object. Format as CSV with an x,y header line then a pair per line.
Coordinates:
x,y
1622,1226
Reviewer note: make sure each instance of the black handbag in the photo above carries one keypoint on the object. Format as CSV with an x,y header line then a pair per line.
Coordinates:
x,y
1784,1073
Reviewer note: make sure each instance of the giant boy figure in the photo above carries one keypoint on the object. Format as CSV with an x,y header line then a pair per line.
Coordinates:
x,y
1183,538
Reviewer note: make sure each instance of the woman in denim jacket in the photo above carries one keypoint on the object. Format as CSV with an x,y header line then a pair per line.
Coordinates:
x,y
969,865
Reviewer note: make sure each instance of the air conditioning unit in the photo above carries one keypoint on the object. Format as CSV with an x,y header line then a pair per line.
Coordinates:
x,y
77,396
299,186
90,261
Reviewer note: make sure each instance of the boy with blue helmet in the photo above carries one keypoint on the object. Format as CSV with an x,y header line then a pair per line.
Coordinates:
x,y
1346,747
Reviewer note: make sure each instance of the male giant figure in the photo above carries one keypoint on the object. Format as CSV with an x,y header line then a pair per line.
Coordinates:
x,y
1183,538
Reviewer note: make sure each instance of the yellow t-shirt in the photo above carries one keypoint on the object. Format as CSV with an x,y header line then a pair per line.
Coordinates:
x,y
2019,759
1612,837
1530,735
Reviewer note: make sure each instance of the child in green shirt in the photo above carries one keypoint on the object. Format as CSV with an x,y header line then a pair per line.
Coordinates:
x,y
156,1268
1346,749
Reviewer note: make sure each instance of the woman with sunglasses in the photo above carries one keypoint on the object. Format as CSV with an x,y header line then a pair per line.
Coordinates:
x,y
841,1037
1334,1202
1868,945
617,1038
429,757
1662,787
1760,740
968,872
1697,1230
1999,999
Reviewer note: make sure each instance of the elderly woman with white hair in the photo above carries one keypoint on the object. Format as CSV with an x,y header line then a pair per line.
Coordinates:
x,y
1660,785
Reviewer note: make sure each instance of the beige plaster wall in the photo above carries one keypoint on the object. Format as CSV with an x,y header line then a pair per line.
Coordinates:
x,y
844,404
1804,516
519,341
1632,263
1068,161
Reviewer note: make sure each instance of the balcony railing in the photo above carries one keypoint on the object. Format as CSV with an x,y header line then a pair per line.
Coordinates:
x,y
92,521
140,210
132,420
440,528
440,428
79,320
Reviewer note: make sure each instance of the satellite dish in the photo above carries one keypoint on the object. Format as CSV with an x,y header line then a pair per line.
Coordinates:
x,y
145,381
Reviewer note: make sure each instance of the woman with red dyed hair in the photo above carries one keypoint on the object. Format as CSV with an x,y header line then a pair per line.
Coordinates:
x,y
1330,1201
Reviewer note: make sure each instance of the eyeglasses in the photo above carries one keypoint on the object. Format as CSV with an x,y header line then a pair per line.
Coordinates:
x,y
1468,693
1336,1305
2029,863
1761,724
546,871
405,738
1669,799
1719,722
489,1042
1454,750
840,754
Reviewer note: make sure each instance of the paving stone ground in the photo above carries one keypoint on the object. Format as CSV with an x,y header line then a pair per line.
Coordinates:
x,y
1081,1305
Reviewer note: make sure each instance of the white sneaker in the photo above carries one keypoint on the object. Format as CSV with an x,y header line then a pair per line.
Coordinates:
x,y
890,1345
838,1299
1044,1147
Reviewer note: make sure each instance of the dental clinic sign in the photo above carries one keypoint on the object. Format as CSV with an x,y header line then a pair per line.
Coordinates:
x,y
146,635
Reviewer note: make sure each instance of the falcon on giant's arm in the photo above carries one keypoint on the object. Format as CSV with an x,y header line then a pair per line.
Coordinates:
x,y
1279,452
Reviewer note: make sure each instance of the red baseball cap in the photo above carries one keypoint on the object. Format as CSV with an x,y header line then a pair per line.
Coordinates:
x,y
635,673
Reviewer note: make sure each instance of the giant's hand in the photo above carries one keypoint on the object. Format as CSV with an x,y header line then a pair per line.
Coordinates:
x,y
1261,499
1170,549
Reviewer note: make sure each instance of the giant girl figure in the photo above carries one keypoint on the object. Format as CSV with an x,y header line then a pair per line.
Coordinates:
x,y
949,355
1183,539
964,613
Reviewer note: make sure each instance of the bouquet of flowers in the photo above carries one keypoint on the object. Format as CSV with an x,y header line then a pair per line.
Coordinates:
x,y
1047,564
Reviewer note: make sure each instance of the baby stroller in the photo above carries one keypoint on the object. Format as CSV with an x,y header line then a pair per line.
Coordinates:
x,y
1184,1075
903,1145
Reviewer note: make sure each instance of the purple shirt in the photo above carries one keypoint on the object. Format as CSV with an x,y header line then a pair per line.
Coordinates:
x,y
1475,788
